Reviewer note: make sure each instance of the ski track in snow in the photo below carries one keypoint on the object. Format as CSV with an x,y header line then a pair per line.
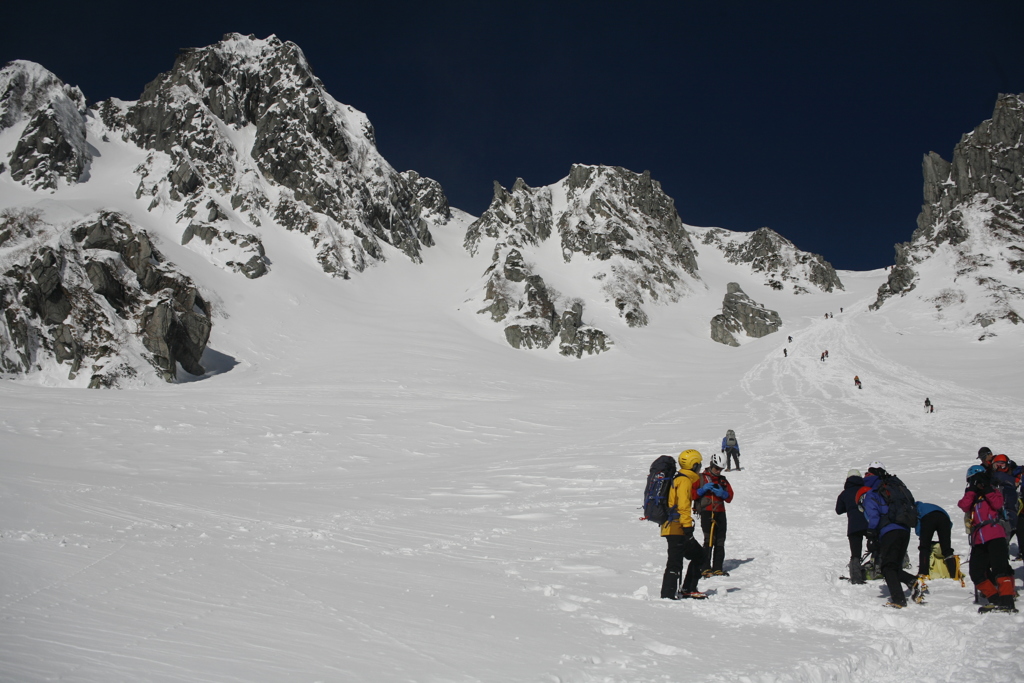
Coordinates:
x,y
439,529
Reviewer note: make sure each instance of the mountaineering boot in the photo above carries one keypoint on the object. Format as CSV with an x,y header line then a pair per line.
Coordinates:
x,y
895,605
719,572
692,595
669,585
856,570
1007,592
997,607
919,589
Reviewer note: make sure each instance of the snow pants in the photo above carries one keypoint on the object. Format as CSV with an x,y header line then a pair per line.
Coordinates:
x,y
730,454
892,549
714,539
856,540
935,522
680,547
991,572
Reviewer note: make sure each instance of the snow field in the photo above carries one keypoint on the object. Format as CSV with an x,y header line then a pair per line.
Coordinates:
x,y
370,484
467,513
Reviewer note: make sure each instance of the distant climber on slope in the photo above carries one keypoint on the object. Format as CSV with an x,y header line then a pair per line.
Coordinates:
x,y
856,381
856,523
731,448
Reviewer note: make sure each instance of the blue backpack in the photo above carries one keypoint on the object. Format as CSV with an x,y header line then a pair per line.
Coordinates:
x,y
659,483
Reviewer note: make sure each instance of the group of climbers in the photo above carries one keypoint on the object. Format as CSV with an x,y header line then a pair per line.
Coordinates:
x,y
881,510
697,493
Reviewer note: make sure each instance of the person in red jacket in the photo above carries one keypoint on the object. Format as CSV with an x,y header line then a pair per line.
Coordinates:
x,y
711,492
989,567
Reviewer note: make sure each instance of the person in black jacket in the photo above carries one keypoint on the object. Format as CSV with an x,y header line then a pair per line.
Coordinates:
x,y
856,523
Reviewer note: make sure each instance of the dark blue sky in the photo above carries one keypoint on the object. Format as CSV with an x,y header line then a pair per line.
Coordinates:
x,y
810,119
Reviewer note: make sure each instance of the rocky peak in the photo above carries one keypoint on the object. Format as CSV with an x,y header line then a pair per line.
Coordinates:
x,y
51,145
306,161
973,219
619,222
776,258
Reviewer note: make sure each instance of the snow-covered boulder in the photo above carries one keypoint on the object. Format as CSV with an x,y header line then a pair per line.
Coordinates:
x,y
741,314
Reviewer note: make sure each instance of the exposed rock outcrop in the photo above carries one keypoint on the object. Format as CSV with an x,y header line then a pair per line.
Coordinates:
x,y
739,314
970,232
616,229
51,144
769,253
304,159
242,253
97,296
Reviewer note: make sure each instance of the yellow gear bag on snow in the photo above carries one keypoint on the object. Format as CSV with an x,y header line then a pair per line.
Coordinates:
x,y
937,567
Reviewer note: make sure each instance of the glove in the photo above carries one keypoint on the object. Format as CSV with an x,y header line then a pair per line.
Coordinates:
x,y
719,491
872,538
703,490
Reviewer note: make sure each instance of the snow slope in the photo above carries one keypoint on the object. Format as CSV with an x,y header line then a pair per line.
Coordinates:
x,y
371,485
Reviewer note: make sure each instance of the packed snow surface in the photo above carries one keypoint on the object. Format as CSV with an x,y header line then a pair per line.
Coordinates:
x,y
371,485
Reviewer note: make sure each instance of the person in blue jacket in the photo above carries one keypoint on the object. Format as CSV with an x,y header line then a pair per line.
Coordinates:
x,y
893,538
731,448
856,523
931,520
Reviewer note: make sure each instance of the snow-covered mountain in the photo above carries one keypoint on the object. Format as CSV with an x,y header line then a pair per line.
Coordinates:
x,y
238,139
966,257
368,482
238,162
601,235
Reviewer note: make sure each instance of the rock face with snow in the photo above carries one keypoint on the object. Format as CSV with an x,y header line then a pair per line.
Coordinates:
x,y
967,254
776,258
51,117
616,229
244,130
97,296
739,314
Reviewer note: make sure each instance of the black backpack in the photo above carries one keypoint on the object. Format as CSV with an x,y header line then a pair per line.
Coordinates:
x,y
902,508
1008,486
659,483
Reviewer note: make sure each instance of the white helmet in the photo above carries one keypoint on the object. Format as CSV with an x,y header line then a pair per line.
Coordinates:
x,y
876,465
717,460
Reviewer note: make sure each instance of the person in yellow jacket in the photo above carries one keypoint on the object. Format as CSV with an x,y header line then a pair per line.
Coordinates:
x,y
678,532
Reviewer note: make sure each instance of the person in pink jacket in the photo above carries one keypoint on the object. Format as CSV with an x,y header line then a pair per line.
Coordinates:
x,y
989,567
